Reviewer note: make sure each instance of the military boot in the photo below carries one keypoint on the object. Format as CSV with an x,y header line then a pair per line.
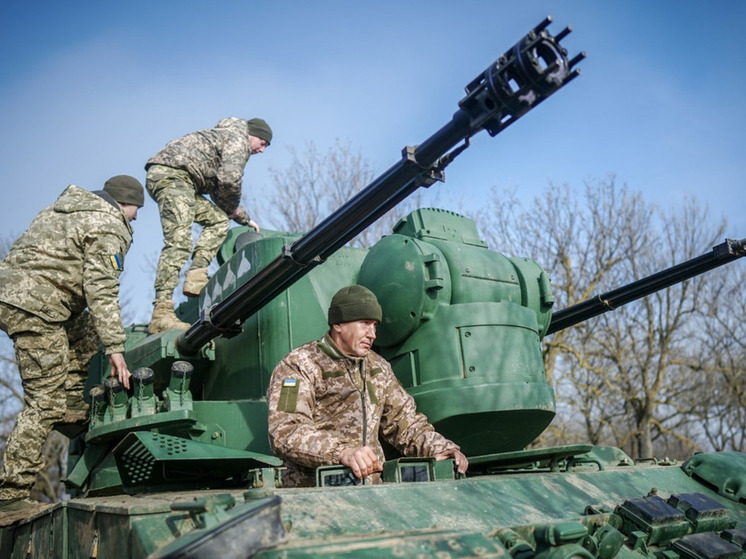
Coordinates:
x,y
73,424
195,282
164,318
75,420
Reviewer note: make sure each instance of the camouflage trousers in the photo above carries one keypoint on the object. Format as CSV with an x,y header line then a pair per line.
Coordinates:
x,y
179,207
53,363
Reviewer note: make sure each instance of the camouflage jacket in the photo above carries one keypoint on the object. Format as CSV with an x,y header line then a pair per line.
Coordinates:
x,y
69,259
321,401
214,158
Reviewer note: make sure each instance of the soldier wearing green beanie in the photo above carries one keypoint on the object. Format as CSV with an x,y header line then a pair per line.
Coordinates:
x,y
59,299
330,400
258,127
205,163
125,190
354,303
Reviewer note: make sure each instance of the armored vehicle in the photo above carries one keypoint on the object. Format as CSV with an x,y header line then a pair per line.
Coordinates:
x,y
180,466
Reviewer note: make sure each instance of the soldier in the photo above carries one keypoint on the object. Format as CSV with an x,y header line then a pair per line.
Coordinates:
x,y
205,162
59,296
329,400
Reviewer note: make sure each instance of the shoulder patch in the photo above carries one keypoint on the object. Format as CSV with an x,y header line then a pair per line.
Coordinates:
x,y
288,395
116,261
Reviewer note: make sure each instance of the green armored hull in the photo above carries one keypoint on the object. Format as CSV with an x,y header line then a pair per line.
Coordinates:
x,y
579,502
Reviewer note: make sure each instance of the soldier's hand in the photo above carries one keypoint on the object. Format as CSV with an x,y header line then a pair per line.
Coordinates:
x,y
254,225
462,463
119,369
361,460
239,215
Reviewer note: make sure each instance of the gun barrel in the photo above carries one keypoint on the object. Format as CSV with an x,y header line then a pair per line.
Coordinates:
x,y
721,254
524,76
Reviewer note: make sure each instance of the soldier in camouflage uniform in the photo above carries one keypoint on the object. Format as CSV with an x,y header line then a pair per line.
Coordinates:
x,y
59,296
208,162
330,400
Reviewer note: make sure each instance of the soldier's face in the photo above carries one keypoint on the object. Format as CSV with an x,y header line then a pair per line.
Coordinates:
x,y
257,145
130,211
355,338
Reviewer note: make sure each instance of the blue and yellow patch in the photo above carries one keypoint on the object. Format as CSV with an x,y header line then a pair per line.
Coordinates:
x,y
116,262
289,382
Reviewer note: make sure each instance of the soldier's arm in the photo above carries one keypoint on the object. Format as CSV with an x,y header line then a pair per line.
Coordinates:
x,y
102,268
234,156
407,429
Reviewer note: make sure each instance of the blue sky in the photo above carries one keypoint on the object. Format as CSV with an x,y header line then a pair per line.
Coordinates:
x,y
93,89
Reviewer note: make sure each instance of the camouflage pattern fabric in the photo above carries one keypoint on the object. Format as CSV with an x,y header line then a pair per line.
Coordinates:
x,y
53,362
69,259
59,295
180,206
214,159
321,402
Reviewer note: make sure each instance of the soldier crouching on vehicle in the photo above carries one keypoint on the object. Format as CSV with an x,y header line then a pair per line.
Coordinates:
x,y
59,296
204,163
330,400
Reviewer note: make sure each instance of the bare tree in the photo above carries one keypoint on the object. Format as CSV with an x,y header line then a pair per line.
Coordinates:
x,y
582,246
719,367
314,184
625,373
643,351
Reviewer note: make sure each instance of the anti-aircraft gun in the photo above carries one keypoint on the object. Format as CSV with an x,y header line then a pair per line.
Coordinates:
x,y
181,466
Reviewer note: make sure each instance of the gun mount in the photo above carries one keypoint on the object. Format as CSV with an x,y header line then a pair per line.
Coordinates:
x,y
524,76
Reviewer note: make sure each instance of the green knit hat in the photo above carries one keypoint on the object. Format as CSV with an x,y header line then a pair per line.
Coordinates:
x,y
258,127
125,190
354,302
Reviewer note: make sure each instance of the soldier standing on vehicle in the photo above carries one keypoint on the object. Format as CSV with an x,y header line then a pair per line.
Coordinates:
x,y
210,162
329,400
59,297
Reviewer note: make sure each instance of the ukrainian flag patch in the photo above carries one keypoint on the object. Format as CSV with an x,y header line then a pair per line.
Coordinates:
x,y
116,262
288,395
